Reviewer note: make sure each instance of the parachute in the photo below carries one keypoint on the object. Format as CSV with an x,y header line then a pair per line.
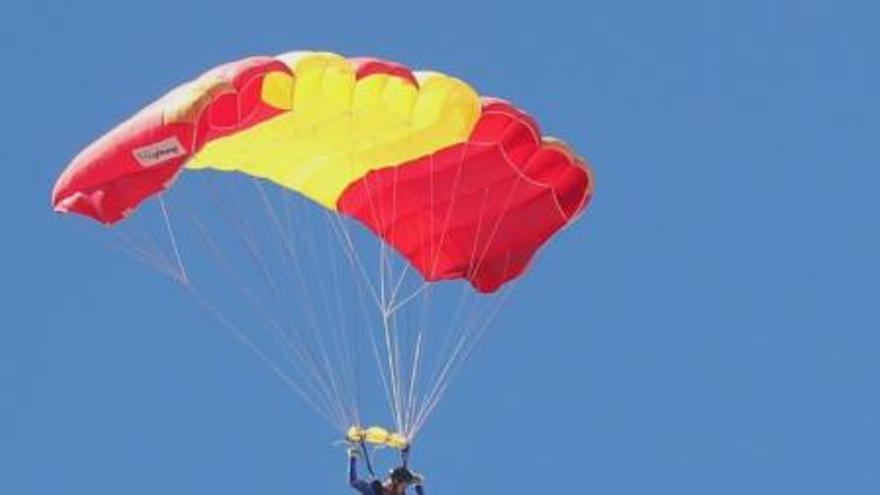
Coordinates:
x,y
449,187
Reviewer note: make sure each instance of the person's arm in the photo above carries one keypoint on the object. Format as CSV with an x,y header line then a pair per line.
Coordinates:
x,y
420,490
352,469
353,480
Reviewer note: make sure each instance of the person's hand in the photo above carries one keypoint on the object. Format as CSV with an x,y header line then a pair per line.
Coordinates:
x,y
354,451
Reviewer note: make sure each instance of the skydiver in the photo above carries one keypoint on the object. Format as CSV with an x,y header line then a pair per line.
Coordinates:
x,y
399,479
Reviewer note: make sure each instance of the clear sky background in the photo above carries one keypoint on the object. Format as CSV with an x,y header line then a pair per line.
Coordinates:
x,y
711,326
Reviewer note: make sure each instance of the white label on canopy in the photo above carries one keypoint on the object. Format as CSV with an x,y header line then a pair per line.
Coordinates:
x,y
156,153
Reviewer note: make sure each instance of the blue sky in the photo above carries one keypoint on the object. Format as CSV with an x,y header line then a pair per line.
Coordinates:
x,y
711,326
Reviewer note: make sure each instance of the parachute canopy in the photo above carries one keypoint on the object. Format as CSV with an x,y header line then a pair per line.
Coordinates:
x,y
439,173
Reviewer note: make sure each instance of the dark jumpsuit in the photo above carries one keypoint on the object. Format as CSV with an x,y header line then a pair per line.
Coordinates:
x,y
365,487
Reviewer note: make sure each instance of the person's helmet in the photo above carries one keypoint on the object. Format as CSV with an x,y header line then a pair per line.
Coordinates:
x,y
401,475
